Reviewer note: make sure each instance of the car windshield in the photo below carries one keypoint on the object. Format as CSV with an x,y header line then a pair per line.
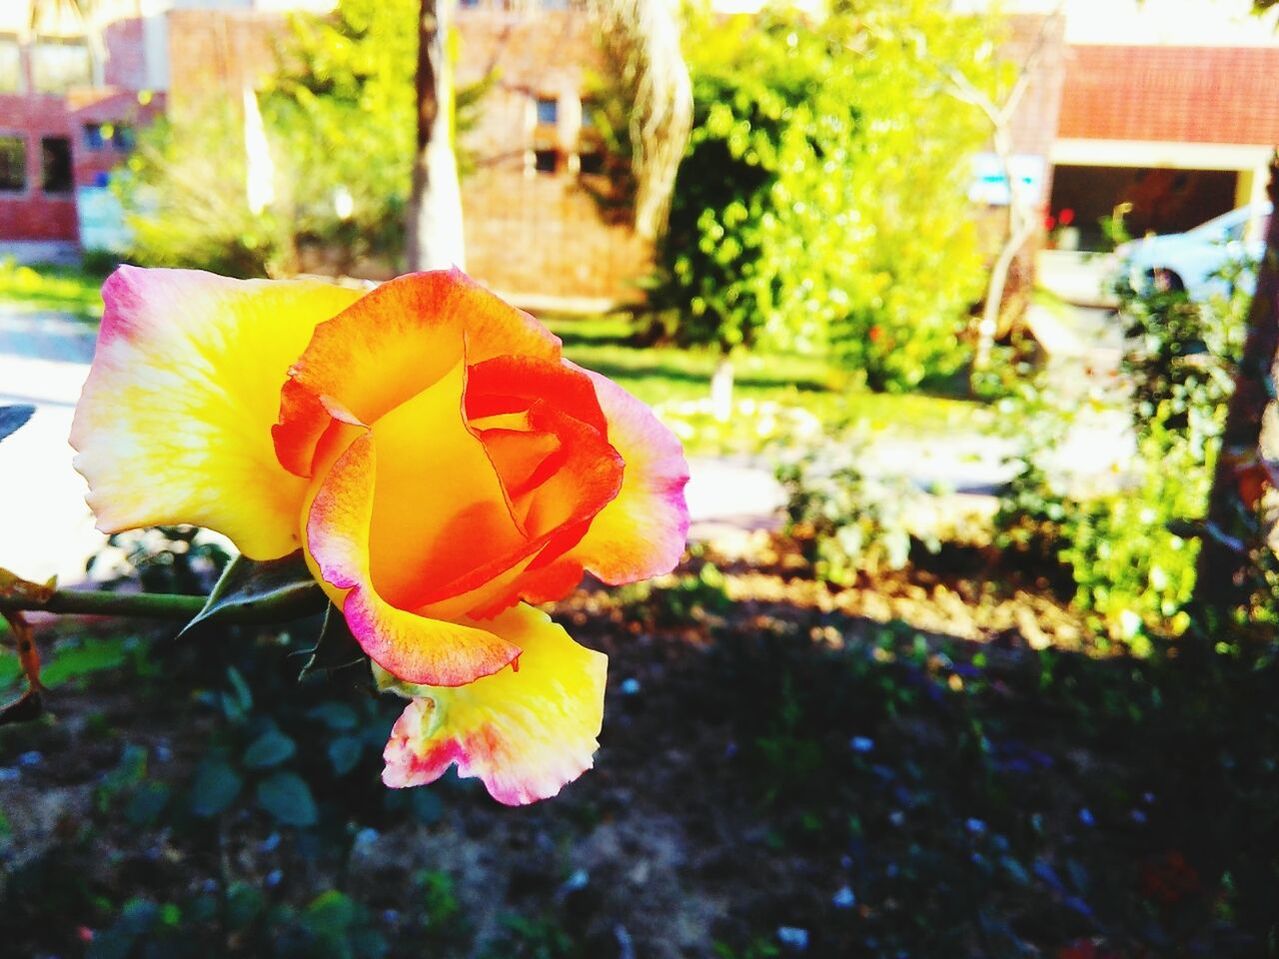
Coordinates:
x,y
1233,225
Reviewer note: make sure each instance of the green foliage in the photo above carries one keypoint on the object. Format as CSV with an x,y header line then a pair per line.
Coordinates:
x,y
532,938
345,101
1132,553
821,204
780,396
183,191
677,599
47,287
847,522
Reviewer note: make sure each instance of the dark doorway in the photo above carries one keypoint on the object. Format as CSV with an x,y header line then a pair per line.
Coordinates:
x,y
1163,201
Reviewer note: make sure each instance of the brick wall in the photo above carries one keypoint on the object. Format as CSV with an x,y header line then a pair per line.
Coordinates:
x,y
528,231
33,214
216,53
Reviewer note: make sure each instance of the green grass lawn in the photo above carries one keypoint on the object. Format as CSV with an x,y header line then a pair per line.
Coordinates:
x,y
665,374
44,287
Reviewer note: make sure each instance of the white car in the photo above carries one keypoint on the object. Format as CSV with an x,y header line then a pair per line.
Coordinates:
x,y
1193,261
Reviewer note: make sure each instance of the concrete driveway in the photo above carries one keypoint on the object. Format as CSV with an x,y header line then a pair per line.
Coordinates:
x,y
45,527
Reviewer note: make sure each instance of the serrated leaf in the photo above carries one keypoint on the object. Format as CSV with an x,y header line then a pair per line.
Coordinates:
x,y
344,753
13,418
276,590
288,798
335,649
216,786
269,749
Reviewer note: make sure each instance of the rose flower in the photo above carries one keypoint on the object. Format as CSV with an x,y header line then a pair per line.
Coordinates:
x,y
436,459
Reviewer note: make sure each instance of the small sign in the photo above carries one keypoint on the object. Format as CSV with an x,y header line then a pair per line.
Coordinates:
x,y
990,186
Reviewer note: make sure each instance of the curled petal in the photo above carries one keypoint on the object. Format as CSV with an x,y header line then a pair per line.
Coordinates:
x,y
414,648
391,345
174,422
524,733
642,532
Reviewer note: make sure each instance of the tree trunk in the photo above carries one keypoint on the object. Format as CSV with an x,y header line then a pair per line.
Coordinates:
x,y
434,228
1229,541
1020,227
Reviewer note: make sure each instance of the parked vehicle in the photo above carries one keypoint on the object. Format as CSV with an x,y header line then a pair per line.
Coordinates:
x,y
1195,260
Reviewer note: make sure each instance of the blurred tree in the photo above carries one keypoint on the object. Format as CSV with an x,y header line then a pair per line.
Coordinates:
x,y
434,238
822,202
86,12
999,108
650,82
1233,537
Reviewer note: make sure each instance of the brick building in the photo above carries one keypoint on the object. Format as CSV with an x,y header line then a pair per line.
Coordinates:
x,y
1174,119
73,94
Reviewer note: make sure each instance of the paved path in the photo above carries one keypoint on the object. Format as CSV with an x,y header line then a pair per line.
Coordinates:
x,y
45,527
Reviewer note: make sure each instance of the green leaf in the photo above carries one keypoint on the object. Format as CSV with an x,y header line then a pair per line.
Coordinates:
x,y
344,753
336,648
331,913
269,749
216,786
288,798
337,716
236,705
244,904
146,804
13,418
276,590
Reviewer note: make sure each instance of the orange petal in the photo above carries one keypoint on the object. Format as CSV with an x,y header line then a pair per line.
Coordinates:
x,y
174,422
414,648
524,733
390,346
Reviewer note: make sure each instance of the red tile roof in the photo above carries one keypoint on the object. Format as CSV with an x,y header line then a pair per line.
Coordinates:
x,y
1182,94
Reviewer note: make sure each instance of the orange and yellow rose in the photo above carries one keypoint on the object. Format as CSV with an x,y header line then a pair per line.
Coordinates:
x,y
438,461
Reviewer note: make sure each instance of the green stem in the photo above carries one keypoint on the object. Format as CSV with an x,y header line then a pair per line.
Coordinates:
x,y
102,603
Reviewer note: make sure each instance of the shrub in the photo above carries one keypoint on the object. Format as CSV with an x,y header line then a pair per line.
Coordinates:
x,y
821,202
1131,554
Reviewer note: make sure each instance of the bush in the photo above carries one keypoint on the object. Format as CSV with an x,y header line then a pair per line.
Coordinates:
x,y
821,203
847,522
1131,554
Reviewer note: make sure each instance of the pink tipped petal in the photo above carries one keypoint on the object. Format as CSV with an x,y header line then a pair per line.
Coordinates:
x,y
174,425
642,532
414,648
524,733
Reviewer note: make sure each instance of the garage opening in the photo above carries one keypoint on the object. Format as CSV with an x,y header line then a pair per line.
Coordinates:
x,y
1163,200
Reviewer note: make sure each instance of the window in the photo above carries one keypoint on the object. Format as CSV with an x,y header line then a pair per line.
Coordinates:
x,y
548,110
13,163
588,115
108,136
10,66
592,162
58,65
55,164
546,161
